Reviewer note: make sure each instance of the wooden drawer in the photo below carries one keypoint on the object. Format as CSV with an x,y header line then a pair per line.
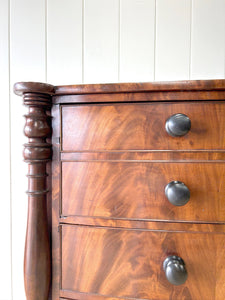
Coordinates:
x,y
137,190
128,263
141,126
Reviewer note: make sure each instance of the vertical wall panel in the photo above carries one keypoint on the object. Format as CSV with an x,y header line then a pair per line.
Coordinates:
x,y
64,42
5,229
172,39
208,39
137,37
101,41
101,24
27,64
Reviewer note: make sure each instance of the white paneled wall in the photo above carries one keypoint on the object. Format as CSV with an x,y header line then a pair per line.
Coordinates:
x,y
137,40
208,39
5,201
27,63
173,39
64,41
89,41
101,40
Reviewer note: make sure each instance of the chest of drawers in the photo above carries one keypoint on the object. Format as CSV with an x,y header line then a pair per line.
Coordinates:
x,y
134,204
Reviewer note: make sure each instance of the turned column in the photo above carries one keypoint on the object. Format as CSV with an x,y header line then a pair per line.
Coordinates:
x,y
37,152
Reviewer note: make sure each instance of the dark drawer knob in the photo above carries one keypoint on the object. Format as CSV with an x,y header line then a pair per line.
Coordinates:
x,y
177,193
175,270
178,125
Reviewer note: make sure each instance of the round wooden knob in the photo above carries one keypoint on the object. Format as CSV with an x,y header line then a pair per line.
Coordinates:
x,y
175,271
178,125
177,193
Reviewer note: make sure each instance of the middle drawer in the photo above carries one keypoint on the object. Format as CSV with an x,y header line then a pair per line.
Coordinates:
x,y
136,190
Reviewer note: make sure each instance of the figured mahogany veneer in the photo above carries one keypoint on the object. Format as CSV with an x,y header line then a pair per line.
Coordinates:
x,y
102,211
141,127
137,190
127,263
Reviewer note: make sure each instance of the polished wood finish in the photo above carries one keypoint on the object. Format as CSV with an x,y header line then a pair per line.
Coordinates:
x,y
141,127
140,97
123,88
56,271
112,226
137,190
146,156
37,152
82,296
176,226
186,85
128,263
21,88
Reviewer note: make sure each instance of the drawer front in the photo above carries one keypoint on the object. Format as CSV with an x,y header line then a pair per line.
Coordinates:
x,y
137,190
129,263
141,126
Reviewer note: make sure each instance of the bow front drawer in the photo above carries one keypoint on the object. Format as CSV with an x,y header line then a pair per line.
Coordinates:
x,y
136,190
128,264
155,126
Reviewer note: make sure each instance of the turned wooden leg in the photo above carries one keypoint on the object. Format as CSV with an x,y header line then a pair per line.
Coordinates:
x,y
37,152
37,260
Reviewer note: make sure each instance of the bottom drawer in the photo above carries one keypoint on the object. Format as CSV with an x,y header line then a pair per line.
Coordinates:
x,y
128,263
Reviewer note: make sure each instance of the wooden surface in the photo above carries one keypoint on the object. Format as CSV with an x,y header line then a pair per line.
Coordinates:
x,y
21,88
141,87
185,85
153,225
55,203
128,263
140,97
146,156
116,161
112,226
37,152
30,39
136,190
141,127
38,54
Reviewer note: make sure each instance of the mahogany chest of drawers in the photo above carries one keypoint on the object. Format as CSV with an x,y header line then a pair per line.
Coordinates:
x,y
134,204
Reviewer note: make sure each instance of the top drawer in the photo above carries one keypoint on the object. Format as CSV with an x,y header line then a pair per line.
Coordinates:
x,y
141,126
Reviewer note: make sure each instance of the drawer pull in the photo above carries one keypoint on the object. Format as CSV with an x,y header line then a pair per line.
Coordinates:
x,y
177,193
178,125
175,270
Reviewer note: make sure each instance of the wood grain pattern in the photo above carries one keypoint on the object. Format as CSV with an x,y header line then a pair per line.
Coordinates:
x,y
128,263
141,127
141,97
168,86
21,88
182,85
55,203
137,190
82,296
112,225
37,152
146,156
68,295
153,225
